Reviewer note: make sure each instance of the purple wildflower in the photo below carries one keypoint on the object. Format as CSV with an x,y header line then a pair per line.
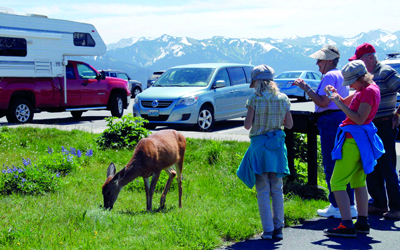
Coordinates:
x,y
73,151
21,170
16,176
23,180
58,174
4,171
26,162
89,152
9,171
70,158
50,150
78,153
64,151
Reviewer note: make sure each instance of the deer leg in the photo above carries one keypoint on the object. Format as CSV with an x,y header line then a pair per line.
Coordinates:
x,y
170,171
179,169
151,190
147,188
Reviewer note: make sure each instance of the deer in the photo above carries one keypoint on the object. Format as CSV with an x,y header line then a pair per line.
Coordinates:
x,y
161,150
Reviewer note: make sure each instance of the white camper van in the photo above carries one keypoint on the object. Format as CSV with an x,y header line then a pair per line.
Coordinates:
x,y
36,46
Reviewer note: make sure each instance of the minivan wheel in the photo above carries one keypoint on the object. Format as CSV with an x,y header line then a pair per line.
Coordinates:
x,y
205,119
20,111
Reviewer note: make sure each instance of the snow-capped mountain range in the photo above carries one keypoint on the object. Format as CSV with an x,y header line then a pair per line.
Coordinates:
x,y
141,56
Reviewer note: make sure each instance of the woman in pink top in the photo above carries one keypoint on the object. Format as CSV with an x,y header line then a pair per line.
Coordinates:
x,y
360,110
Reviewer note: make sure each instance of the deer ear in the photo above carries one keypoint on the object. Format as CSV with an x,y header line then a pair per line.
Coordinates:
x,y
111,170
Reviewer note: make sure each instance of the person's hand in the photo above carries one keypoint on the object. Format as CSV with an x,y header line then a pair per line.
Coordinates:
x,y
329,89
302,84
395,120
332,93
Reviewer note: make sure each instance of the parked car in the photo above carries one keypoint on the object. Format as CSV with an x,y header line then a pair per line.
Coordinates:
x,y
154,77
134,86
196,94
285,82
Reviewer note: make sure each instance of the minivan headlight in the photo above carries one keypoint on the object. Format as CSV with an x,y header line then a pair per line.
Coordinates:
x,y
187,101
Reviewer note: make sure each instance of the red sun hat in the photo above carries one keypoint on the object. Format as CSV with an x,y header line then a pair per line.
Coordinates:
x,y
362,49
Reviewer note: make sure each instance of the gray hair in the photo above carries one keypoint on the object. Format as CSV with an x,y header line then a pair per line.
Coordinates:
x,y
376,57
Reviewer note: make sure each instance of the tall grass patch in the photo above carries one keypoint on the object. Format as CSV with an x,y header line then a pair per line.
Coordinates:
x,y
217,207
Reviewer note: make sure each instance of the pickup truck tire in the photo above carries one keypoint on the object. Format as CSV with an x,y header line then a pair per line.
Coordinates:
x,y
20,111
76,114
116,105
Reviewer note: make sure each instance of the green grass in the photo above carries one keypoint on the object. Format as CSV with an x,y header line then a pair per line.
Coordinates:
x,y
217,207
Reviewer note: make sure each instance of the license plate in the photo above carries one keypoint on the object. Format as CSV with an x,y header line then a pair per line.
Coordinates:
x,y
153,112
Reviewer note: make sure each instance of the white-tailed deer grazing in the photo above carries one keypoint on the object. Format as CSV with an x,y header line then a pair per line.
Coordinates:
x,y
160,151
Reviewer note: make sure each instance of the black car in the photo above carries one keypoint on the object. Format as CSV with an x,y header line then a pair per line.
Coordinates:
x,y
136,86
154,77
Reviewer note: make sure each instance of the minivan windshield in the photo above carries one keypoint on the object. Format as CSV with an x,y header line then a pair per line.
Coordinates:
x,y
185,77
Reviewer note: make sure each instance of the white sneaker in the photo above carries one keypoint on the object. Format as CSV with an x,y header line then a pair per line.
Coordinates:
x,y
329,211
353,210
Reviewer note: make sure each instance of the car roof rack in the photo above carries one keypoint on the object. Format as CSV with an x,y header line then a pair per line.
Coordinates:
x,y
393,55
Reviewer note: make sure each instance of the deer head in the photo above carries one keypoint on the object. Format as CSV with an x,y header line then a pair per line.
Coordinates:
x,y
111,188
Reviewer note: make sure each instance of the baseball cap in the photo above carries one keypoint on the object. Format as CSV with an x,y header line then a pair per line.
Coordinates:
x,y
327,52
362,49
262,72
352,71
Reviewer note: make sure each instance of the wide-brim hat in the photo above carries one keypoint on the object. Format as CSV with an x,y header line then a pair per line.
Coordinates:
x,y
262,72
352,71
325,54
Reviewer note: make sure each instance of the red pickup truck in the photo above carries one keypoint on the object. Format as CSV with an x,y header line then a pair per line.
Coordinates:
x,y
87,89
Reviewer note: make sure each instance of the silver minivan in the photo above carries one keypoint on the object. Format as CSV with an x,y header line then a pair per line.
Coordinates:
x,y
196,94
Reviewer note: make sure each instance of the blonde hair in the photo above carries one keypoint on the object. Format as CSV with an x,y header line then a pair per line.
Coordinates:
x,y
263,85
366,78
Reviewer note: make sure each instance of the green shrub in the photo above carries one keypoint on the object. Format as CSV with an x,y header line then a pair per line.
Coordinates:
x,y
28,180
124,133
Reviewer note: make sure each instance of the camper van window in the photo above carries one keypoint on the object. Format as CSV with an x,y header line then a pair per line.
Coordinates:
x,y
85,72
10,46
83,39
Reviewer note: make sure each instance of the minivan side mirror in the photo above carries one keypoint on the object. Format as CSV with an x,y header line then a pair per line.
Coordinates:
x,y
219,84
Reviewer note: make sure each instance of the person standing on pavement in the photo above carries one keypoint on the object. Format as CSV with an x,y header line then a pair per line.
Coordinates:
x,y
383,180
265,161
357,147
329,118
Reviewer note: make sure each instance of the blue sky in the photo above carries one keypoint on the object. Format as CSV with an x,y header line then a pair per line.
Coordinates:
x,y
120,19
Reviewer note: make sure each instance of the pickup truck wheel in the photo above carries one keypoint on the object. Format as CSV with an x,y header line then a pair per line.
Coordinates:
x,y
20,111
205,120
135,92
116,105
76,114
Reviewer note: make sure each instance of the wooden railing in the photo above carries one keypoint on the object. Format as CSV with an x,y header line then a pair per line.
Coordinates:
x,y
302,124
